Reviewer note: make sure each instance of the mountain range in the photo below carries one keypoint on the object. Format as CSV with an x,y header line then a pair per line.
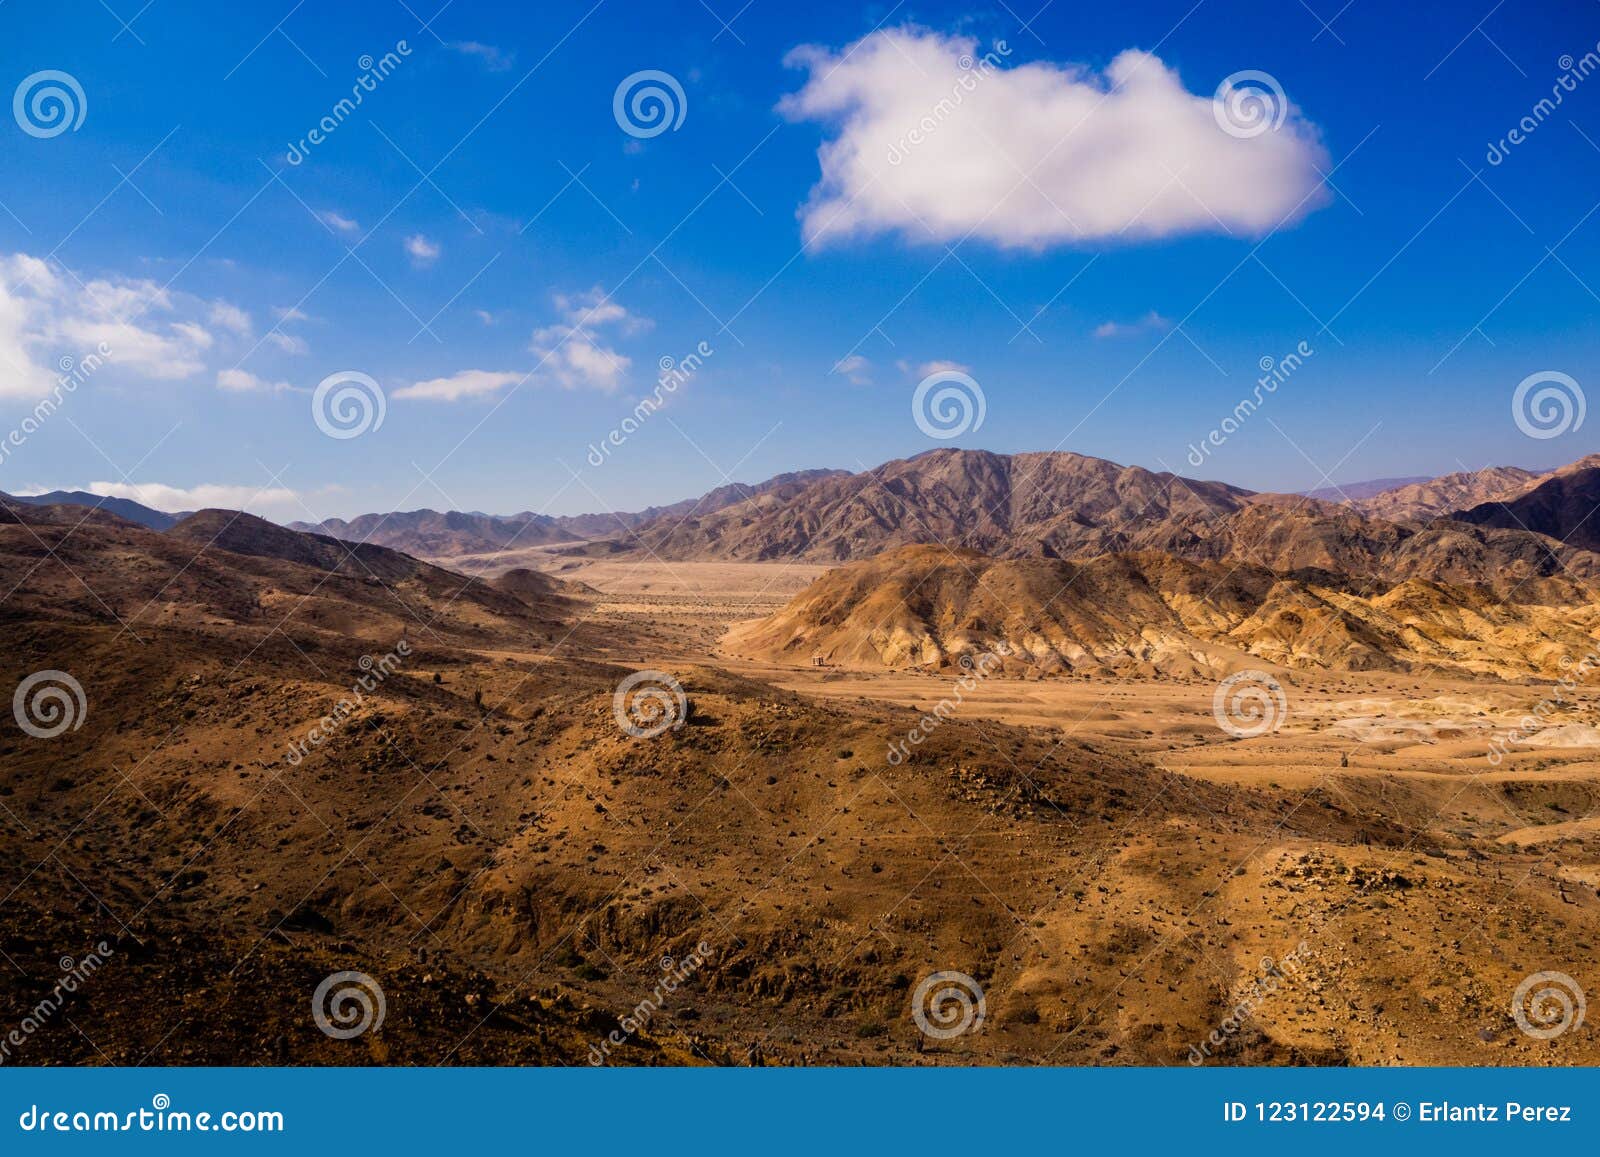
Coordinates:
x,y
439,534
1064,505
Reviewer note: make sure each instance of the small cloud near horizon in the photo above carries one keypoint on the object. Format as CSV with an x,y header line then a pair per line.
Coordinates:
x,y
266,502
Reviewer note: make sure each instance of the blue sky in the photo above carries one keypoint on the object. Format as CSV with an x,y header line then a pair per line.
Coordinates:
x,y
482,209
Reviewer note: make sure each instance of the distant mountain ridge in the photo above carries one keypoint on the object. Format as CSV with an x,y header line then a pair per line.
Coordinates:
x,y
1352,491
121,507
1441,497
441,534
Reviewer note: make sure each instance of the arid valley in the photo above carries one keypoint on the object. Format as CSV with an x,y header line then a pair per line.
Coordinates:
x,y
1155,771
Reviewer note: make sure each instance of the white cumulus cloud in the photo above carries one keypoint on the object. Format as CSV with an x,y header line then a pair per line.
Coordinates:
x,y
1035,155
48,312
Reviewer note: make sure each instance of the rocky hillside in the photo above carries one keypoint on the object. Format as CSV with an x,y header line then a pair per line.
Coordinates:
x,y
1151,614
219,571
1562,505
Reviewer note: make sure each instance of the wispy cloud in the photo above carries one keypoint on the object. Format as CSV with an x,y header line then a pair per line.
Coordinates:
x,y
230,317
289,343
855,368
1151,321
570,352
463,384
340,222
491,57
941,366
238,381
421,249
